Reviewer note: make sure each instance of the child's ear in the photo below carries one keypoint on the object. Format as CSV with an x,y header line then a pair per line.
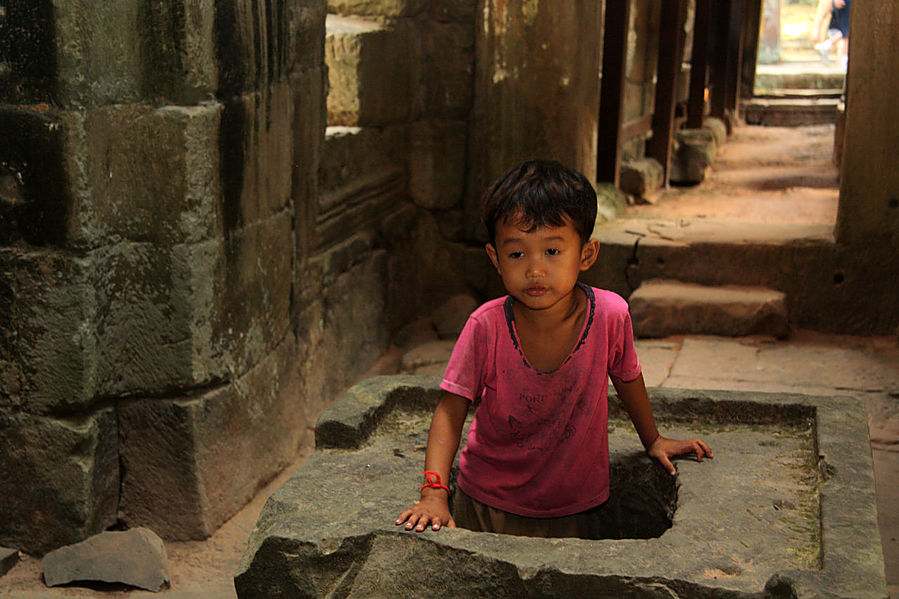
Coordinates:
x,y
589,253
491,252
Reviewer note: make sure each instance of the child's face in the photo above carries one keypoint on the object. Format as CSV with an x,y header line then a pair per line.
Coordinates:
x,y
540,268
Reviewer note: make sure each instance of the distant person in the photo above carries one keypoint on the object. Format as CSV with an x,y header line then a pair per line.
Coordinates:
x,y
834,13
537,362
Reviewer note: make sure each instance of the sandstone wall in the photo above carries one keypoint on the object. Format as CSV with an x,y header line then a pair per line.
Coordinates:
x,y
150,214
394,159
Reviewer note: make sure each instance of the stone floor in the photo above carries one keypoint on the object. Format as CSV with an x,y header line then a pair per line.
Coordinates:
x,y
863,367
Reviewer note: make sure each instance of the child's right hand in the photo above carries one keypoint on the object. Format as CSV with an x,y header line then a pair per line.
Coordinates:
x,y
433,509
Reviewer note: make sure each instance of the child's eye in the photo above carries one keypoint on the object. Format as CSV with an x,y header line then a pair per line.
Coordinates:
x,y
516,255
553,252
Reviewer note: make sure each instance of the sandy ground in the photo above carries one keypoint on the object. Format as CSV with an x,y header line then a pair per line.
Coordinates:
x,y
762,174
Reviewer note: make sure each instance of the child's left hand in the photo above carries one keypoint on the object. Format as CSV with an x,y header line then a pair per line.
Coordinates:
x,y
663,449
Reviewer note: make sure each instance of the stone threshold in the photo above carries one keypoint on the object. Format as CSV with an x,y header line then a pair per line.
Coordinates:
x,y
686,231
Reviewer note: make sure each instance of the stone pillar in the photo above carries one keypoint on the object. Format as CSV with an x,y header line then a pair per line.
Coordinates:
x,y
869,178
536,89
769,43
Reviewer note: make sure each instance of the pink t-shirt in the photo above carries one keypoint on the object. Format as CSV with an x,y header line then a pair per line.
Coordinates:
x,y
538,445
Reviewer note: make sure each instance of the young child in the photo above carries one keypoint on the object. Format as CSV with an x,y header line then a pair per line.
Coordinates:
x,y
538,362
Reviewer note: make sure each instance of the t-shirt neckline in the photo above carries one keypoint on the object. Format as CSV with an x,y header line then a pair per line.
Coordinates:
x,y
585,330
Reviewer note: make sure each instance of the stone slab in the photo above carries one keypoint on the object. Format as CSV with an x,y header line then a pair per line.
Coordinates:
x,y
775,367
134,557
432,353
450,316
641,178
68,466
657,356
365,89
437,163
192,462
661,308
694,152
785,508
8,559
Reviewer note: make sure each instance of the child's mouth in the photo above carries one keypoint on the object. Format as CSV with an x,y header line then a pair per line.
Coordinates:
x,y
536,291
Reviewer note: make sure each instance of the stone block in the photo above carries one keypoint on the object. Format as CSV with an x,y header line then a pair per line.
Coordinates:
x,y
694,151
423,261
448,68
641,178
718,129
788,493
59,478
661,308
34,193
129,51
8,559
179,455
256,152
355,155
307,31
432,353
343,256
144,174
364,88
133,557
48,347
310,115
253,305
450,316
190,315
609,202
145,321
437,163
333,349
377,8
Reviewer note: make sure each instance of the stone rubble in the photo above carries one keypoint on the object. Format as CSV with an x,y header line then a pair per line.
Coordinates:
x,y
8,559
135,557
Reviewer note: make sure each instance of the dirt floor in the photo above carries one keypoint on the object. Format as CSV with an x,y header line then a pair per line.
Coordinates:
x,y
762,174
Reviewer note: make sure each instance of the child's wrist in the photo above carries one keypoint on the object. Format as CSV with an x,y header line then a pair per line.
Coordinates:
x,y
648,446
433,482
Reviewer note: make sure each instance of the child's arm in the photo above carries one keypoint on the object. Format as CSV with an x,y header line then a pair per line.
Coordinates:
x,y
443,442
636,403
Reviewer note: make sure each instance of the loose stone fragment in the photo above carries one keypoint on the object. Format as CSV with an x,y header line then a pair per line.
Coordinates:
x,y
134,557
8,559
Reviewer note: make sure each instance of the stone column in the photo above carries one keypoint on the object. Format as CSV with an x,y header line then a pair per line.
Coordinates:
x,y
536,89
769,43
869,178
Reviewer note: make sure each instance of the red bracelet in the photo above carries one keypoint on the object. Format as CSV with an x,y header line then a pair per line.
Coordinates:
x,y
433,481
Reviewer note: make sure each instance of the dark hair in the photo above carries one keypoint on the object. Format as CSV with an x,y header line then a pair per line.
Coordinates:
x,y
541,193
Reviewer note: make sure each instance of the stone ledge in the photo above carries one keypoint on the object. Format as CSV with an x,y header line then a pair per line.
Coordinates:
x,y
329,531
664,307
349,421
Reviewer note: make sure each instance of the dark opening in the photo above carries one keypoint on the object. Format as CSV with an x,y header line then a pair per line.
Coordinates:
x,y
642,500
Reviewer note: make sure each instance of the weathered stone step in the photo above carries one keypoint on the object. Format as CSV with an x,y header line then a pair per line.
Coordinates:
x,y
805,94
800,76
791,112
662,307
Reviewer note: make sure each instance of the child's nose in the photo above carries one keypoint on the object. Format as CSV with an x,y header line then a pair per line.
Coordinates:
x,y
535,269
